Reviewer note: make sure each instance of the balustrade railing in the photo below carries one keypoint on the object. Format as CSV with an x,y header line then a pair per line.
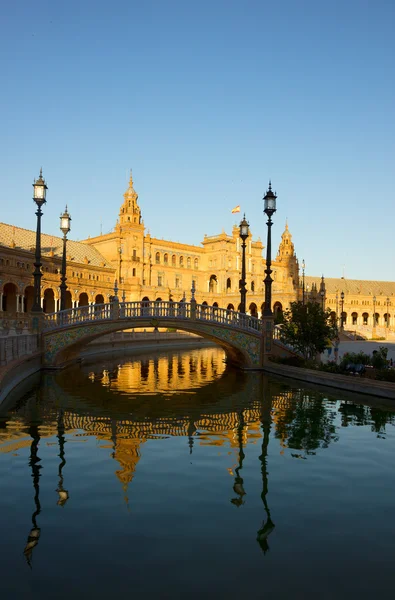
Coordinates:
x,y
142,310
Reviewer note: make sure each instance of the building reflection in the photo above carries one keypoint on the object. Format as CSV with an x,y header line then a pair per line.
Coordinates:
x,y
125,405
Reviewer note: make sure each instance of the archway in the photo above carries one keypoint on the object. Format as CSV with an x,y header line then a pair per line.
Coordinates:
x,y
83,299
69,301
9,298
365,318
99,299
29,298
228,284
49,301
230,307
354,318
278,312
253,309
212,286
333,317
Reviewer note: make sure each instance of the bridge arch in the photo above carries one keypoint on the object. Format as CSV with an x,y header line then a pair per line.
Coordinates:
x,y
238,335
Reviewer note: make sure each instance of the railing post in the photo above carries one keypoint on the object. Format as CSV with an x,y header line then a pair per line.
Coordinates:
x,y
193,309
114,309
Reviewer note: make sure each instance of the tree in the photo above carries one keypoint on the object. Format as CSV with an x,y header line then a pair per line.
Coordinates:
x,y
308,328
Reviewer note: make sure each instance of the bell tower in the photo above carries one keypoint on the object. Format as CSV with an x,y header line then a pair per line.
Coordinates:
x,y
286,256
130,213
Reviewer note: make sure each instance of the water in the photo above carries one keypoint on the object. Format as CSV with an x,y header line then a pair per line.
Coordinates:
x,y
172,477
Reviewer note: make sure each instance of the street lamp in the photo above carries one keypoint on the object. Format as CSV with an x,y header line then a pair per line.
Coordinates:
x,y
341,313
244,232
388,317
269,210
374,315
40,190
322,294
65,228
303,268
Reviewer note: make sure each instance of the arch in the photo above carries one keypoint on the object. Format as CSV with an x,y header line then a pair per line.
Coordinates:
x,y
333,317
196,263
173,260
376,318
28,298
343,318
181,263
10,292
83,299
253,309
99,299
252,286
230,307
278,307
69,300
212,286
365,318
228,284
166,259
157,258
189,262
49,301
387,319
354,318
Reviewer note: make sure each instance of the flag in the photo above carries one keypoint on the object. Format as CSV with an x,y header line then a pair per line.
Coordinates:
x,y
236,209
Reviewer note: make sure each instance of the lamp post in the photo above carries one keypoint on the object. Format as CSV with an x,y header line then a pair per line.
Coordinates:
x,y
303,268
387,322
244,232
341,313
40,190
374,317
322,294
269,210
64,228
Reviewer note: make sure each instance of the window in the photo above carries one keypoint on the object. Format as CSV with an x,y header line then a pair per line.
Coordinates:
x,y
166,259
228,284
160,280
134,272
181,261
252,286
189,262
157,258
134,254
173,260
196,263
177,283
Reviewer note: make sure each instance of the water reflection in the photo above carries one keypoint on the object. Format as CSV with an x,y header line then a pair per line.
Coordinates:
x,y
129,407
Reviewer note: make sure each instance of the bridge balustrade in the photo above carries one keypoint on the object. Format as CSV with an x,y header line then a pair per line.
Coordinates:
x,y
142,310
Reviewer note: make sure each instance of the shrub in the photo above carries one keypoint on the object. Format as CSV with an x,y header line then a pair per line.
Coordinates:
x,y
385,375
379,358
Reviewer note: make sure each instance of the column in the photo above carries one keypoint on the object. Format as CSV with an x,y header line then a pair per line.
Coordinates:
x,y
1,301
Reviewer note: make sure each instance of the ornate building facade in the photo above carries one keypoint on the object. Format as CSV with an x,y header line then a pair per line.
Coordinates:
x,y
150,268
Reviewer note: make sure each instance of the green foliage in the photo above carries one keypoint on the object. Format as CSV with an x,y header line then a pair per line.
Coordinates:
x,y
379,358
291,361
308,328
355,358
330,367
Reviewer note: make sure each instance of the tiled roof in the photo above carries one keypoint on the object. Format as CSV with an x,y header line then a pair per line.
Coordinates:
x,y
354,287
25,239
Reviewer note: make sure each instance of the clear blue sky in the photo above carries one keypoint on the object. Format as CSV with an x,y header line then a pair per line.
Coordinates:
x,y
206,101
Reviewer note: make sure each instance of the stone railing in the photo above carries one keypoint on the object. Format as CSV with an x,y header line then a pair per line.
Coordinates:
x,y
140,311
14,346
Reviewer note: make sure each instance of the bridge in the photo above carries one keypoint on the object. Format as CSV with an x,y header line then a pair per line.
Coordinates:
x,y
246,340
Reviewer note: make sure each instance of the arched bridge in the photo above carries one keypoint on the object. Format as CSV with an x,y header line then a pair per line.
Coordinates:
x,y
66,332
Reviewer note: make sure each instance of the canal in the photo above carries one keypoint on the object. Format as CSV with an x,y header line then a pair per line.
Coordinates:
x,y
171,476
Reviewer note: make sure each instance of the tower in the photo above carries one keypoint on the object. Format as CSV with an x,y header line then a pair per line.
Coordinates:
x,y
130,213
287,258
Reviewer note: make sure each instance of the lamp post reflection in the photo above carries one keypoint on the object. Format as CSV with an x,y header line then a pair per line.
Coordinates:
x,y
268,526
62,493
34,534
238,487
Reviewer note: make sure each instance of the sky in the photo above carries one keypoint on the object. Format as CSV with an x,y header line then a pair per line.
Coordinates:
x,y
206,102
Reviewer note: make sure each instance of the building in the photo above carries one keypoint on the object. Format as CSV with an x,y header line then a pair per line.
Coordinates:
x,y
149,268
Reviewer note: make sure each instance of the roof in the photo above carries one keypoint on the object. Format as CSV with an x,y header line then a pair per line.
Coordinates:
x,y
362,287
51,245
